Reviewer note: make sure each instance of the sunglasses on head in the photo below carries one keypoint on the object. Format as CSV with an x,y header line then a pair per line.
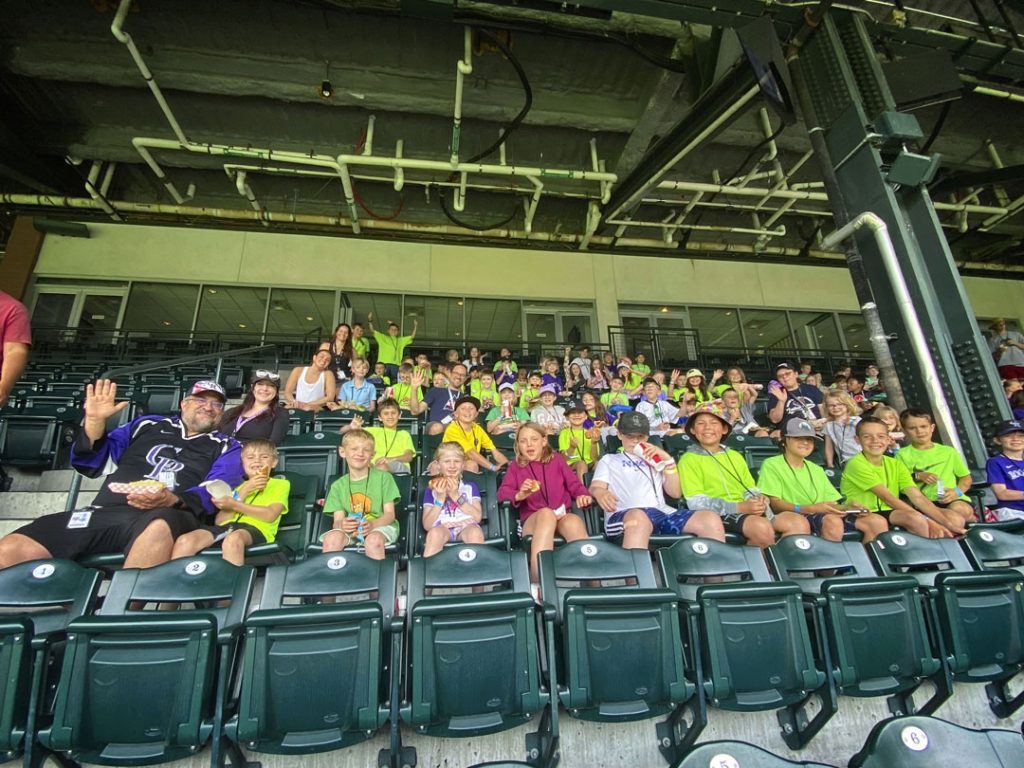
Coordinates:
x,y
265,374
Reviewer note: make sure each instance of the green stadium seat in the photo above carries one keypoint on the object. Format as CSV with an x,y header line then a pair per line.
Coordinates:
x,y
879,642
898,553
164,397
52,593
144,687
315,676
736,754
40,436
752,636
834,475
809,560
969,606
473,659
927,742
314,454
621,650
332,421
989,548
299,422
676,445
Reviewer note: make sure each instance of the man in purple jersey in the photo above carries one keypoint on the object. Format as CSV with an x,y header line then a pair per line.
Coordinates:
x,y
173,455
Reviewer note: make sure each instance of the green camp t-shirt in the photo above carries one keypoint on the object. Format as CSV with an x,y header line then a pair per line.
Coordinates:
x,y
276,492
368,495
361,347
942,460
389,443
518,414
722,475
807,485
390,348
582,451
860,476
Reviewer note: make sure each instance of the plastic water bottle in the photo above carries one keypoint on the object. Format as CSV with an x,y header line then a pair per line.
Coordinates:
x,y
359,517
940,489
659,464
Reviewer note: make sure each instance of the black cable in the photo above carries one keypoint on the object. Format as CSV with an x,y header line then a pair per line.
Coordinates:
x,y
937,128
506,131
527,92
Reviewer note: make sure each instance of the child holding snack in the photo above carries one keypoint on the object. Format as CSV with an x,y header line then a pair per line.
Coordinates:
x,y
451,506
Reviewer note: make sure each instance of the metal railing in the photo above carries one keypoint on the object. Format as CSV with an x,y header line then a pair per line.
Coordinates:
x,y
175,362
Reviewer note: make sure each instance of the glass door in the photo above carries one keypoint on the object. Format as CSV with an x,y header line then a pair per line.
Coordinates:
x,y
84,313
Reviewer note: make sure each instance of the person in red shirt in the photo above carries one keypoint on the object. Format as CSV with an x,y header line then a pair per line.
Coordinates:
x,y
16,336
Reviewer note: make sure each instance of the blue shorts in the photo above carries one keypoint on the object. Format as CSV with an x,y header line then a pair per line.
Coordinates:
x,y
664,523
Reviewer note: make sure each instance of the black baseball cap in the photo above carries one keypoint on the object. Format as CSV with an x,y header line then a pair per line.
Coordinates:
x,y
1009,426
633,423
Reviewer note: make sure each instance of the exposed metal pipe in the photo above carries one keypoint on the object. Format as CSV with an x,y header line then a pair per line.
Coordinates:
x,y
94,193
778,232
368,141
399,172
246,191
107,178
918,343
147,157
463,68
531,205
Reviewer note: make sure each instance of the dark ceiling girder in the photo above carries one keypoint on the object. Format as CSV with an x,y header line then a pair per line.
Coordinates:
x,y
978,179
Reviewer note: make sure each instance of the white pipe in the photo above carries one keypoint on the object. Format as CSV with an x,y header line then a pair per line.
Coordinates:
x,y
350,196
593,220
598,166
147,157
107,178
368,143
94,193
501,149
531,208
459,201
1000,192
918,343
399,173
246,191
463,68
761,232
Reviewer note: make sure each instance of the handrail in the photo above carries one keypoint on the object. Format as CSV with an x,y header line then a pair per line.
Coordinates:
x,y
185,360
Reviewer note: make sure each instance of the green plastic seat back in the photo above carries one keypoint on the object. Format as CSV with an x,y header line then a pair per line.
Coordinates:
x,y
989,548
726,754
16,675
676,445
56,591
293,528
299,422
877,635
835,476
314,454
621,647
690,563
332,421
28,441
927,742
809,560
755,455
321,522
756,646
740,442
313,674
970,605
473,660
135,689
898,552
204,583
491,518
596,560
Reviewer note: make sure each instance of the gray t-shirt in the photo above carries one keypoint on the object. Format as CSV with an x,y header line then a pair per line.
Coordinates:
x,y
1011,355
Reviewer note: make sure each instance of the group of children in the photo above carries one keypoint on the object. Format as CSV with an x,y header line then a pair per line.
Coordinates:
x,y
893,473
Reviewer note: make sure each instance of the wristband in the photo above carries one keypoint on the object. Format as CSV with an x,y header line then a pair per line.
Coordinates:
x,y
490,467
670,471
959,493
235,496
796,508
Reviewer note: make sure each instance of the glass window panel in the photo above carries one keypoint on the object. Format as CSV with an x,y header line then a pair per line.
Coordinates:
x,y
160,307
766,328
815,330
437,317
717,326
232,310
53,310
100,312
540,326
296,312
856,332
493,323
576,329
386,308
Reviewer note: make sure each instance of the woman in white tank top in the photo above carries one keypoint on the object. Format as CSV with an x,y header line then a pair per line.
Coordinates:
x,y
311,387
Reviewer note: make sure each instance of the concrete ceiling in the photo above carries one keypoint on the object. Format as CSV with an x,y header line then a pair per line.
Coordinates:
x,y
247,73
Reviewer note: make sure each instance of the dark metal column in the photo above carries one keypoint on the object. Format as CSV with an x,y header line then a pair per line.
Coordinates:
x,y
866,142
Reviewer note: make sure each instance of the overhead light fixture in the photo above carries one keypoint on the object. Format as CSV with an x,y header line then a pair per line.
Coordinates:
x,y
167,322
664,309
326,89
309,317
242,325
211,290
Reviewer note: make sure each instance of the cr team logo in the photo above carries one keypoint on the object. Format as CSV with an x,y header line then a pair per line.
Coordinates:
x,y
163,459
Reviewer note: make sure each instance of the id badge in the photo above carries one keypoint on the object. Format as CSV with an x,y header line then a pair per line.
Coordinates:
x,y
447,419
168,478
560,512
80,519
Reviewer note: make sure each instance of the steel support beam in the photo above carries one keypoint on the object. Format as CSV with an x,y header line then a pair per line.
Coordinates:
x,y
848,93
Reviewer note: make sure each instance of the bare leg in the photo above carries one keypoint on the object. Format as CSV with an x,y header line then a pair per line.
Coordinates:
x,y
335,540
374,545
541,525
706,524
914,522
790,524
871,525
16,548
151,547
234,544
191,543
832,527
758,531
636,530
437,537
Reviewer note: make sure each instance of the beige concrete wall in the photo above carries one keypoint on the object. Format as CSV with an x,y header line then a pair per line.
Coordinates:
x,y
264,258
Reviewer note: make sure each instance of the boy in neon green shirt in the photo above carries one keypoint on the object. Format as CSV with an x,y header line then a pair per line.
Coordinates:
x,y
935,467
393,447
361,503
616,396
576,443
507,416
360,344
530,397
250,515
483,389
717,478
875,481
402,391
391,346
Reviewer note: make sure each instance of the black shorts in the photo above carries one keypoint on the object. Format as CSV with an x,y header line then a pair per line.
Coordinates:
x,y
110,529
221,531
733,522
